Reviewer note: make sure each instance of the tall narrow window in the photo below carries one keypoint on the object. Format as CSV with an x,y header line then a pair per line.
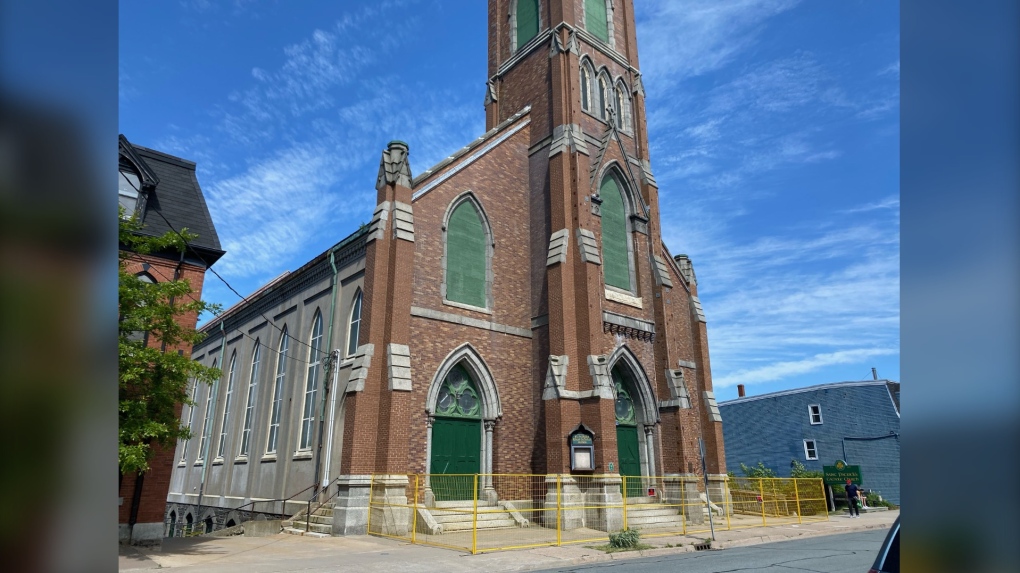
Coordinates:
x,y
207,424
595,19
226,404
354,331
615,252
604,97
585,88
281,374
527,21
250,406
311,383
191,417
622,107
466,254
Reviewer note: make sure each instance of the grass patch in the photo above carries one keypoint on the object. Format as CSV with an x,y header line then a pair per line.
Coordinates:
x,y
610,549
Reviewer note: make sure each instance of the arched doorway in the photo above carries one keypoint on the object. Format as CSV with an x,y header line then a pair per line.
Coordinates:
x,y
628,444
456,436
189,524
173,524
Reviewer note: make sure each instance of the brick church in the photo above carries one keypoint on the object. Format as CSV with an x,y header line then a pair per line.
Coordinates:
x,y
499,301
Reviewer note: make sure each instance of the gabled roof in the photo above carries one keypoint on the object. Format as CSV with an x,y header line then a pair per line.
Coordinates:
x,y
173,198
814,388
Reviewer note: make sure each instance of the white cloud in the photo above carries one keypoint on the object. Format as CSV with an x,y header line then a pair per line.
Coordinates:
x,y
782,370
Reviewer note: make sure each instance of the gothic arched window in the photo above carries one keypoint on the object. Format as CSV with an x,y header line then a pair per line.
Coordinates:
x,y
623,109
586,75
226,404
207,424
596,20
250,406
281,375
615,247
458,396
354,327
311,382
467,256
526,20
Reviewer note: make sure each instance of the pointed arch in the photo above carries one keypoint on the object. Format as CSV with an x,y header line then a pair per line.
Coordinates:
x,y
604,92
224,422
278,384
623,106
617,244
525,22
587,77
354,323
468,247
625,358
468,357
311,382
249,409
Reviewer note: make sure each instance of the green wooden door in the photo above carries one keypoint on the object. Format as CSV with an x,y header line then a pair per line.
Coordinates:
x,y
456,449
630,459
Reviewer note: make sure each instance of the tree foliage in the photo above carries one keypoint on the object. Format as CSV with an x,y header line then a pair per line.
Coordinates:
x,y
153,376
758,471
797,470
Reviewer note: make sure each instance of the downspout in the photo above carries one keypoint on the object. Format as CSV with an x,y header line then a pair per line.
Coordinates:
x,y
210,419
331,368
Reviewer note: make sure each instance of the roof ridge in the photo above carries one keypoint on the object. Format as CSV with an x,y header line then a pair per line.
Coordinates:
x,y
847,383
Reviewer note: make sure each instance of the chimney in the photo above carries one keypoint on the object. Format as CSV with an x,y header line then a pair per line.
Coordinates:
x,y
874,373
740,390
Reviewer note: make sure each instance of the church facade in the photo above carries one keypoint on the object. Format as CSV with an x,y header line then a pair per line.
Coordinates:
x,y
497,302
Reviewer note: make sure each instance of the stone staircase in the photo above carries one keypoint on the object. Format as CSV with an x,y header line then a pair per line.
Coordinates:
x,y
319,525
453,516
649,513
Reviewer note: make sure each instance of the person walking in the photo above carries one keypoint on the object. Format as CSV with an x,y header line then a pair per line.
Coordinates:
x,y
853,497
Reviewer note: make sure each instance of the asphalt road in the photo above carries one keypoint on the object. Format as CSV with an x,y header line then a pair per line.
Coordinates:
x,y
846,553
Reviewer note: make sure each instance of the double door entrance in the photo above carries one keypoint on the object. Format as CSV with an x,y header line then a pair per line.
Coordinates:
x,y
456,452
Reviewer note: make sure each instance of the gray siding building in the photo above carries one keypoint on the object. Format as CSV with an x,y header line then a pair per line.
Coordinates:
x,y
858,422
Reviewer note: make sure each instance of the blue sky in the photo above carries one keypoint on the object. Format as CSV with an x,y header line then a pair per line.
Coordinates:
x,y
773,124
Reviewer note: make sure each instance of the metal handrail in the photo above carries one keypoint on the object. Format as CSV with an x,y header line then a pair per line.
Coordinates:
x,y
308,512
219,512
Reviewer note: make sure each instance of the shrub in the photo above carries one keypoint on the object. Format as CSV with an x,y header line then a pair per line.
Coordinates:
x,y
758,471
625,539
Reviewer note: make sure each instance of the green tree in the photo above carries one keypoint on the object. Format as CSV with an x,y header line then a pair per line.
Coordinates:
x,y
797,470
153,377
758,471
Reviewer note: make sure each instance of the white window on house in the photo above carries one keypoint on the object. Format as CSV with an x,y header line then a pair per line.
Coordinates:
x,y
281,374
311,383
355,326
810,450
191,417
128,185
206,426
249,409
226,405
815,414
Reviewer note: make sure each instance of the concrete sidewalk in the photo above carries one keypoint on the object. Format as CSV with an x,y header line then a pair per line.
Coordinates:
x,y
371,554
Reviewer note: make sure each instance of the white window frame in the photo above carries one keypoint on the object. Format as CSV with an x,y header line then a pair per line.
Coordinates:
x,y
311,384
207,424
226,406
249,410
586,76
354,323
276,406
811,414
191,418
807,451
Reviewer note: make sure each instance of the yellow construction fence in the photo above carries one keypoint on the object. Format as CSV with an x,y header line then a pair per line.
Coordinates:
x,y
492,512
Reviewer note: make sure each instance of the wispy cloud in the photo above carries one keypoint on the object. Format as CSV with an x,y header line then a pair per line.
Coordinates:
x,y
784,370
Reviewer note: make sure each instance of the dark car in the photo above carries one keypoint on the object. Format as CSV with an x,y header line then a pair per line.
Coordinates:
x,y
888,560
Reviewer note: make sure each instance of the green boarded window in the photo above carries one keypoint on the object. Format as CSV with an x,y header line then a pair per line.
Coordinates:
x,y
465,256
595,19
615,256
527,21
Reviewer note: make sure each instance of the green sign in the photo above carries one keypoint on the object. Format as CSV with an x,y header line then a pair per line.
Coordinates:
x,y
840,472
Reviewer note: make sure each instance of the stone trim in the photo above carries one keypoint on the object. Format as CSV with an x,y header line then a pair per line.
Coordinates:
x,y
555,381
602,381
398,359
558,243
687,364
629,326
393,166
589,248
359,371
568,137
711,406
646,173
623,298
377,227
539,321
683,263
677,391
474,157
468,321
700,312
661,272
403,221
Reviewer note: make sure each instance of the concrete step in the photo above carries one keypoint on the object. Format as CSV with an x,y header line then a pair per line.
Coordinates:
x,y
482,517
302,532
652,512
488,524
314,527
462,504
322,519
653,520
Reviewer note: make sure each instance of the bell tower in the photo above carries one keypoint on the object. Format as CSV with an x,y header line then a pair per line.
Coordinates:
x,y
605,284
